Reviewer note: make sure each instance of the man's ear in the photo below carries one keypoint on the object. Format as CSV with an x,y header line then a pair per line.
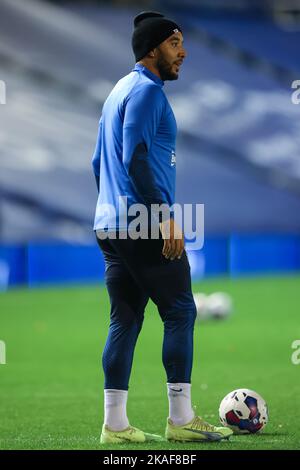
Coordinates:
x,y
152,53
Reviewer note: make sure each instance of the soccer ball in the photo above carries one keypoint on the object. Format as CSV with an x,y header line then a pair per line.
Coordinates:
x,y
201,307
244,411
219,305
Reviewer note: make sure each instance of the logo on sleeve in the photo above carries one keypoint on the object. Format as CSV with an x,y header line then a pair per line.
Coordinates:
x,y
173,158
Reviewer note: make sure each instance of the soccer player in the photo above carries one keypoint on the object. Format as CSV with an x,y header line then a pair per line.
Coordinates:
x,y
134,159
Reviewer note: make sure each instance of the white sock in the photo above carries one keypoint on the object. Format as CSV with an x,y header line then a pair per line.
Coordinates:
x,y
180,405
115,416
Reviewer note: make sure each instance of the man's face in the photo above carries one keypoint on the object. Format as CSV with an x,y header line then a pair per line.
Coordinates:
x,y
170,55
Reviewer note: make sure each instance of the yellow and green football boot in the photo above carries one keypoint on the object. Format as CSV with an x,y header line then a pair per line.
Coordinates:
x,y
196,430
129,434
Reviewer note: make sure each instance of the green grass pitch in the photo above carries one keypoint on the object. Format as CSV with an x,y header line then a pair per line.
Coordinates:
x,y
51,386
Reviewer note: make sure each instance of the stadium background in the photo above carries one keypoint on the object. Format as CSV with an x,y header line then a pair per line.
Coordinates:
x,y
237,153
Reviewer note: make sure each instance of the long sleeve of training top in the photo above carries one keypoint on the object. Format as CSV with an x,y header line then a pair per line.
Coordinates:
x,y
143,114
136,146
97,155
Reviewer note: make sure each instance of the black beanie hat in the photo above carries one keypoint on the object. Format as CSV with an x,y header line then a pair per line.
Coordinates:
x,y
150,29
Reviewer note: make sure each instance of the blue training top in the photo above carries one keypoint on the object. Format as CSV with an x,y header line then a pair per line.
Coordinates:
x,y
135,151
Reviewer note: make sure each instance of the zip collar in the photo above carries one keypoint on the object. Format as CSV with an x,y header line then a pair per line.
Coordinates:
x,y
141,68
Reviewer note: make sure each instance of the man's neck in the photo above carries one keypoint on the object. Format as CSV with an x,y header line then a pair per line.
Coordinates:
x,y
150,67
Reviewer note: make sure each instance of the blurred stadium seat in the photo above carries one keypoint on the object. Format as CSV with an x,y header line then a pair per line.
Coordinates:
x,y
238,143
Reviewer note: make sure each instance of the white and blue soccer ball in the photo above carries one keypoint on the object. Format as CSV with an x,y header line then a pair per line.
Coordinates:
x,y
244,411
200,300
217,305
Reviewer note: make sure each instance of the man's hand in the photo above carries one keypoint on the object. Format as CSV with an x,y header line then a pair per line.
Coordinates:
x,y
173,239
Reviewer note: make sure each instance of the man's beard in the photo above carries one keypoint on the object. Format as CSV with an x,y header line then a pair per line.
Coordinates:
x,y
165,69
